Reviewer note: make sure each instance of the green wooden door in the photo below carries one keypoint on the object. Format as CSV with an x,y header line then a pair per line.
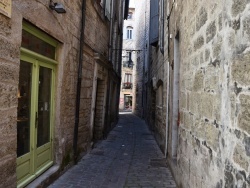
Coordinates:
x,y
44,117
35,118
25,147
35,105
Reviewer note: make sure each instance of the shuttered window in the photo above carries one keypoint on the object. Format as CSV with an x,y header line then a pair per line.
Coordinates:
x,y
128,78
154,22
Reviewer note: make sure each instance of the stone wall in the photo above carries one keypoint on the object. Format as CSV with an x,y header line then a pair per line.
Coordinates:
x,y
214,133
66,29
9,70
151,76
11,30
155,117
142,44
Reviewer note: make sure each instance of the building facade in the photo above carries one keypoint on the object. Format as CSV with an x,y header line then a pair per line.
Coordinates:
x,y
142,56
127,97
203,125
60,79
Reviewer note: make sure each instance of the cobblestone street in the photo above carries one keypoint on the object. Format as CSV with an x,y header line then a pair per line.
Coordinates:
x,y
129,157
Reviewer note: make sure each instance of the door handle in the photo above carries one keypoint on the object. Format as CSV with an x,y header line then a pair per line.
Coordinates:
x,y
36,120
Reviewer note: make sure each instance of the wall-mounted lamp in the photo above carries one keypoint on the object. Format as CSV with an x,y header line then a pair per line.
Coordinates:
x,y
58,7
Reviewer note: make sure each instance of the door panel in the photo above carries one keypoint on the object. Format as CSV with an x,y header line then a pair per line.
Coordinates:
x,y
44,101
24,167
43,155
44,146
24,121
34,138
23,110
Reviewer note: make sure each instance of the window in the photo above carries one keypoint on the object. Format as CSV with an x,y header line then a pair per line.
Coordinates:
x,y
130,15
36,44
128,78
154,22
129,32
127,82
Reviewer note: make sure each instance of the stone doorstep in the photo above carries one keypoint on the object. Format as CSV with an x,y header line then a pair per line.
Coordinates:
x,y
46,178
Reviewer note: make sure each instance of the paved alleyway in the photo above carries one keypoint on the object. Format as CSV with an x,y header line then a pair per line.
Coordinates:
x,y
129,157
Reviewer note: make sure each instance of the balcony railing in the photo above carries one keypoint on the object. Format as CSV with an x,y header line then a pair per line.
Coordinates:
x,y
127,85
128,64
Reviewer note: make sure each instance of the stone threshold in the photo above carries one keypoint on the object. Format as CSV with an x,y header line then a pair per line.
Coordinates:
x,y
46,178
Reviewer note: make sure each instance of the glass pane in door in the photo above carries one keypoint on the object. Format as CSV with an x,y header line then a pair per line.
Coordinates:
x,y
23,109
44,101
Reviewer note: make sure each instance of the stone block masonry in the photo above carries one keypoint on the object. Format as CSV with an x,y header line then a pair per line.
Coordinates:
x,y
65,30
215,97
9,71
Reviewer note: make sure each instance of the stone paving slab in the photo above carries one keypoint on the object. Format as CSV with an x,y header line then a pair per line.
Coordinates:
x,y
128,158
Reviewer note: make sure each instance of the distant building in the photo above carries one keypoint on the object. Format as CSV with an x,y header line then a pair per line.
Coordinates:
x,y
127,97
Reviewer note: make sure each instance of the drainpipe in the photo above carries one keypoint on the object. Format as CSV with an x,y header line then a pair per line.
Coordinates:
x,y
107,113
144,62
167,110
143,75
162,28
79,81
119,58
111,32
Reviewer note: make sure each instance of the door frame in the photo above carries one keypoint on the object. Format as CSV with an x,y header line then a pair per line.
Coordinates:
x,y
37,60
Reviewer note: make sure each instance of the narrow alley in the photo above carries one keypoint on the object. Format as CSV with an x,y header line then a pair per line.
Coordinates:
x,y
129,157
178,70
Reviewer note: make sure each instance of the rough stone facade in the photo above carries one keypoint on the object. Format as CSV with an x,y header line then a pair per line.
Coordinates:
x,y
208,121
65,28
214,124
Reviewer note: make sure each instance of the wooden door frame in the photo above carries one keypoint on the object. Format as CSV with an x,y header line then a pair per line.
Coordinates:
x,y
37,61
